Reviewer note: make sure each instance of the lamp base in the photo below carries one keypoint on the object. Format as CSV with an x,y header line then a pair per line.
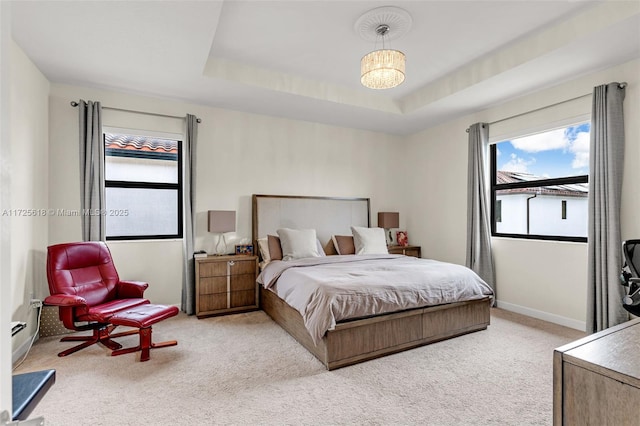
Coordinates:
x,y
222,239
390,239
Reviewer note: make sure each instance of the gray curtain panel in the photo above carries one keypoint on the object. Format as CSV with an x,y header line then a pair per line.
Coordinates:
x,y
606,156
91,170
479,256
189,194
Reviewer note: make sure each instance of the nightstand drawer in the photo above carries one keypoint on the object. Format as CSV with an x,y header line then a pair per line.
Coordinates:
x,y
243,298
243,282
415,251
213,269
212,302
212,285
243,267
218,269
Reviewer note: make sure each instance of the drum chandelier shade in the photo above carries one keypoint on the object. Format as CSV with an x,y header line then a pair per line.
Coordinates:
x,y
382,69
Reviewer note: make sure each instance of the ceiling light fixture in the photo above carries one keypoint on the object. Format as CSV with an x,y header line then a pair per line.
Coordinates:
x,y
383,68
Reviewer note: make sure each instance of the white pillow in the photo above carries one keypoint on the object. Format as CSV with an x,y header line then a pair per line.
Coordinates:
x,y
320,249
369,240
298,243
263,246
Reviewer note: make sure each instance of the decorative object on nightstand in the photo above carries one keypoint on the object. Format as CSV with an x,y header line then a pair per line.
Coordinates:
x,y
244,249
415,251
221,221
226,284
388,220
200,254
402,238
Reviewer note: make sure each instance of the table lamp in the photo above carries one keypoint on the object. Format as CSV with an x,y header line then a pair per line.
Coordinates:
x,y
221,221
388,220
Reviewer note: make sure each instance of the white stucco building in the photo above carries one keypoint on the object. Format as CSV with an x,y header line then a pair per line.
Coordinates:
x,y
544,210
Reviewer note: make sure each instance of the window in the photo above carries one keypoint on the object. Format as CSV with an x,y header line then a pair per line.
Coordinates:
x,y
143,187
531,175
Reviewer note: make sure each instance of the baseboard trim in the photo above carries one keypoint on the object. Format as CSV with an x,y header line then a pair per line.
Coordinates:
x,y
546,316
19,353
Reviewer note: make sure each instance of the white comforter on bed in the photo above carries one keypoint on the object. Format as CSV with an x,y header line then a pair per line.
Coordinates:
x,y
329,289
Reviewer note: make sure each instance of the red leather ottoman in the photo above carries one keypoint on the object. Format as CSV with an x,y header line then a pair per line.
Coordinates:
x,y
143,317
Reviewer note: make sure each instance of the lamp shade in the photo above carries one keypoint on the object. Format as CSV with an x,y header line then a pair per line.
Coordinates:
x,y
222,221
382,69
388,220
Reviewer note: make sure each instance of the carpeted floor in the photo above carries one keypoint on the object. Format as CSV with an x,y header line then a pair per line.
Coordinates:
x,y
244,369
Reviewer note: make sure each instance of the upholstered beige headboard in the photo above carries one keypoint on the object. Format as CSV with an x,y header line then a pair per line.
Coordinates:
x,y
327,215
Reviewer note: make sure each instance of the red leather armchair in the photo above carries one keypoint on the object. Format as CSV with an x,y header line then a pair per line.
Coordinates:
x,y
84,284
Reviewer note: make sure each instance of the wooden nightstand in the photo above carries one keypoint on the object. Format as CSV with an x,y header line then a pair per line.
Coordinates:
x,y
226,284
414,251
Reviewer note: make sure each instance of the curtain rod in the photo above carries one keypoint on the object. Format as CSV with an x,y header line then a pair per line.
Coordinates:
x,y
621,86
75,104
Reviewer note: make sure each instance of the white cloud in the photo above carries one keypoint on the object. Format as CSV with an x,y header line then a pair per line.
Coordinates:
x,y
580,149
580,160
554,139
518,164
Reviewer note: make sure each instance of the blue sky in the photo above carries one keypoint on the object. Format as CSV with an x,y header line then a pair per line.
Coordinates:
x,y
555,153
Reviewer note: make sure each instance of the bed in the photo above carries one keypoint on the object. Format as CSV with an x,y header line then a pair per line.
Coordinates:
x,y
350,340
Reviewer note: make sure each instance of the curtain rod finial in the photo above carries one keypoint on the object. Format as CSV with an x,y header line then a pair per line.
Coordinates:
x,y
74,104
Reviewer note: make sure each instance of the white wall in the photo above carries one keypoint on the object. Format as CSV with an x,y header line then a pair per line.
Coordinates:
x,y
545,215
539,278
5,203
238,154
29,195
24,155
149,170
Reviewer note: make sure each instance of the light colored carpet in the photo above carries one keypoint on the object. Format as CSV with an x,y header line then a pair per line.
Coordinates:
x,y
244,369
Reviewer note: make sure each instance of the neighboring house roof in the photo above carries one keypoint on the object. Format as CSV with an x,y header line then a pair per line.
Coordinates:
x,y
141,147
570,190
140,143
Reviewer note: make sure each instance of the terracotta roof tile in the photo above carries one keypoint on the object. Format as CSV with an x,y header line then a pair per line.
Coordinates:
x,y
140,143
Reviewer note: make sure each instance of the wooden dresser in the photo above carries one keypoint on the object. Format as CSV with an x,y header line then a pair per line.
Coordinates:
x,y
414,251
596,380
226,284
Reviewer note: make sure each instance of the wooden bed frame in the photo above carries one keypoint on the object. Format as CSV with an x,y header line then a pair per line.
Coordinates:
x,y
359,340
